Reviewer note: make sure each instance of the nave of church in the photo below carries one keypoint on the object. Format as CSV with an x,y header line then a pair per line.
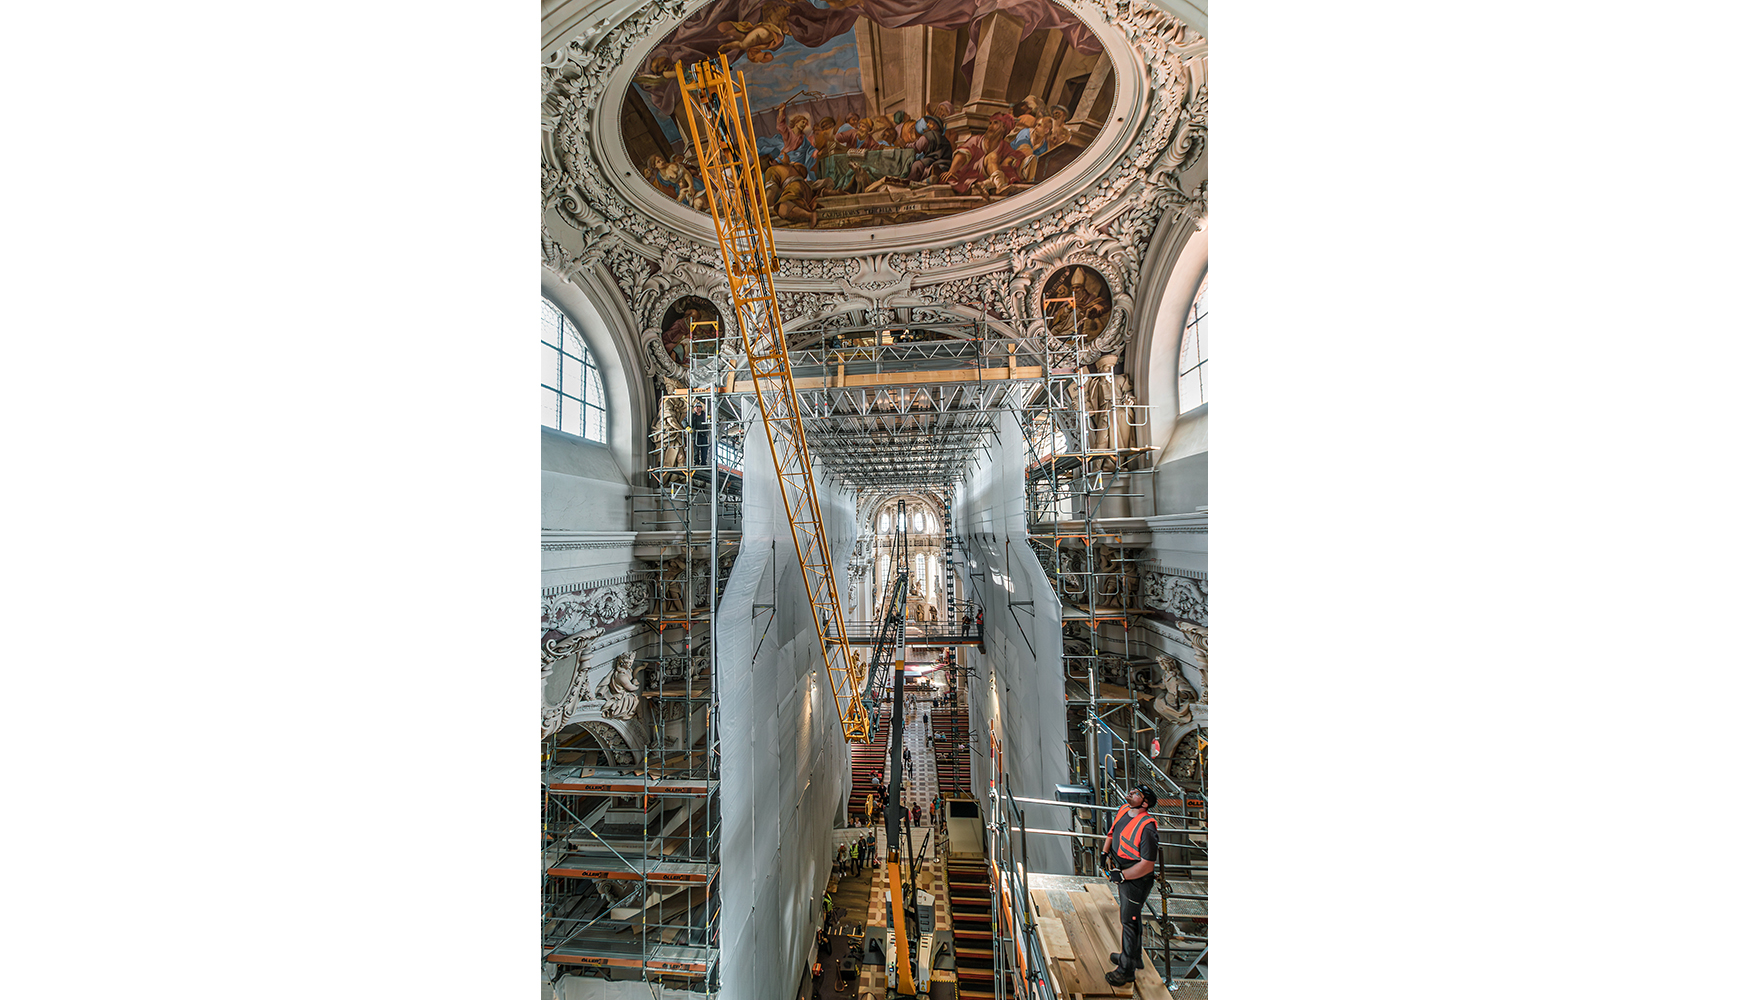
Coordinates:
x,y
978,492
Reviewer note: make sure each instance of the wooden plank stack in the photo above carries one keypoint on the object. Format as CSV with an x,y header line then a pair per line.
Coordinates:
x,y
1080,930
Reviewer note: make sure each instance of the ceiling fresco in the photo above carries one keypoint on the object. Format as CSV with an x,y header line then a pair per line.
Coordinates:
x,y
880,112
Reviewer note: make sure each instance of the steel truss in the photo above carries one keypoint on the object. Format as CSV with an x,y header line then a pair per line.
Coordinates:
x,y
721,124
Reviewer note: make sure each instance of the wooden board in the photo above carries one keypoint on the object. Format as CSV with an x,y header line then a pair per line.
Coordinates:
x,y
1056,941
1100,909
1083,972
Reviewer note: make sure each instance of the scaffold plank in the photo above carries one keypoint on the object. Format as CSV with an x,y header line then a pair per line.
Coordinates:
x,y
632,869
626,786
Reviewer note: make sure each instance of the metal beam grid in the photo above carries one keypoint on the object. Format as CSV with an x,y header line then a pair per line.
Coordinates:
x,y
721,123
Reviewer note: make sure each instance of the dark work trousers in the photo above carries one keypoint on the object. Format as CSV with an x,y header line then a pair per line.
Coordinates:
x,y
1131,895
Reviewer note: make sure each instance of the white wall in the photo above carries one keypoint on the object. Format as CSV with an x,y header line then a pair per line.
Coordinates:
x,y
784,759
1018,680
582,487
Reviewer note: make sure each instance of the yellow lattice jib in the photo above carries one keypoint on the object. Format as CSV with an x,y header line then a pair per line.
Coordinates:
x,y
721,123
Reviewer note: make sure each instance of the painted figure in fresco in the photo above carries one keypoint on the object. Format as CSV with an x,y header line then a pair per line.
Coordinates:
x,y
986,163
933,152
796,132
831,161
1087,312
757,39
670,176
679,334
790,193
812,45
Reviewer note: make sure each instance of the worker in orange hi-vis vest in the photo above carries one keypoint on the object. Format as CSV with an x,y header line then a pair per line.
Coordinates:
x,y
1129,854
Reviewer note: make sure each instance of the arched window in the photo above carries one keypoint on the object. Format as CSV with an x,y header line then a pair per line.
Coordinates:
x,y
917,521
882,528
572,399
1194,353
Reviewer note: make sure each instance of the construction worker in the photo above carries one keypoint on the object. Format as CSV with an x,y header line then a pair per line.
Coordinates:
x,y
1129,851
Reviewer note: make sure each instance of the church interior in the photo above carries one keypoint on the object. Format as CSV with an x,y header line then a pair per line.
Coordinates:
x,y
967,522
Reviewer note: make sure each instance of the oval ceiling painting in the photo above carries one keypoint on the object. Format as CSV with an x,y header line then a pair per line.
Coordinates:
x,y
879,112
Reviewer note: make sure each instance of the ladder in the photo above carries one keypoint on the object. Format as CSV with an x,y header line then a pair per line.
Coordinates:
x,y
721,123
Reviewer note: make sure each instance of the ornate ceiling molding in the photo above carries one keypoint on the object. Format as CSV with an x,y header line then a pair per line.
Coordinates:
x,y
991,261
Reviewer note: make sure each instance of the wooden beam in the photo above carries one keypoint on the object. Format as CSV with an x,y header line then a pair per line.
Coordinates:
x,y
883,379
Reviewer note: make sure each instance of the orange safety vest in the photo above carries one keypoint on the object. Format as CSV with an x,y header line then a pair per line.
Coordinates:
x,y
1127,842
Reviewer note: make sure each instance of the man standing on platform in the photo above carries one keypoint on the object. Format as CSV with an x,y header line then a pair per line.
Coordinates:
x,y
1130,848
701,435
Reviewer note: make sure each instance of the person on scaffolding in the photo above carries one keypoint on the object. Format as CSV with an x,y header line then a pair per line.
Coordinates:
x,y
1130,850
701,435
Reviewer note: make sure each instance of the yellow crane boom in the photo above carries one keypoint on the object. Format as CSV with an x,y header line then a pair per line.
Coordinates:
x,y
721,123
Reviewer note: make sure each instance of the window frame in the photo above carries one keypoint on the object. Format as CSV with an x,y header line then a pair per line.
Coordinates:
x,y
1194,320
591,379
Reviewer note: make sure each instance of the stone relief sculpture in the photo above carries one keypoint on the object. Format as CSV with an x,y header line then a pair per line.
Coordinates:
x,y
1123,412
1173,704
564,676
1183,598
619,691
1198,635
670,432
596,607
673,586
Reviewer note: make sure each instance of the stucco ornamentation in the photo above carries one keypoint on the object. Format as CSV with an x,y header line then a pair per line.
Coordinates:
x,y
1107,223
1173,703
596,607
1185,599
565,658
619,692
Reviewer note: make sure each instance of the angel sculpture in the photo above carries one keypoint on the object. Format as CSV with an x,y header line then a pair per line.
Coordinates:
x,y
1173,704
619,690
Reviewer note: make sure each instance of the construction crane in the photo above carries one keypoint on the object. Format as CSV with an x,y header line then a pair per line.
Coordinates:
x,y
721,123
890,629
902,865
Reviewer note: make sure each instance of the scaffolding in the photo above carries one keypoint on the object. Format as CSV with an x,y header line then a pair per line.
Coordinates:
x,y
631,834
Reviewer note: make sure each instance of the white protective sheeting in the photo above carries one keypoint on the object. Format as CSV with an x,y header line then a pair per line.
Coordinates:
x,y
1023,644
783,752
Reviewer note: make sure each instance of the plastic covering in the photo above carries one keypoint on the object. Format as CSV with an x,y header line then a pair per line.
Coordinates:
x,y
784,760
1023,645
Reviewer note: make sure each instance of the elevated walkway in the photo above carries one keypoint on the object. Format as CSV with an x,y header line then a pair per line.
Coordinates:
x,y
865,633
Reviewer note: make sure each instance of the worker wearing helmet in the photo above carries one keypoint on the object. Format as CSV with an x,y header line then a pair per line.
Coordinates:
x,y
1130,850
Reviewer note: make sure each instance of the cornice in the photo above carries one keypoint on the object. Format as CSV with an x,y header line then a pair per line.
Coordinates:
x,y
554,540
1194,523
